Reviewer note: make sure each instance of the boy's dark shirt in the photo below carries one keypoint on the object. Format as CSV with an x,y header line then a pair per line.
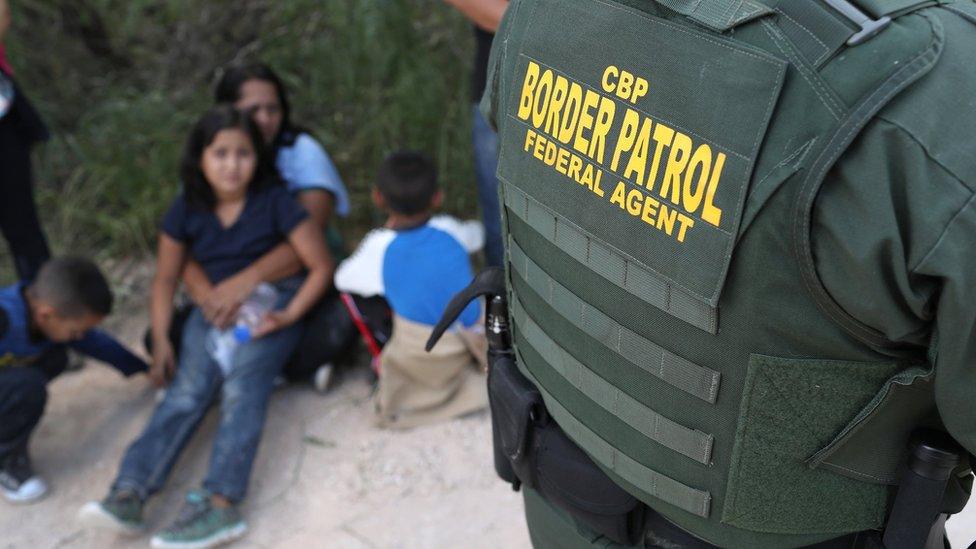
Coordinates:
x,y
269,215
95,343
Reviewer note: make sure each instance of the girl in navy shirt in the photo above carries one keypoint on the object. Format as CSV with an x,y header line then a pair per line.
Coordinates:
x,y
232,211
311,177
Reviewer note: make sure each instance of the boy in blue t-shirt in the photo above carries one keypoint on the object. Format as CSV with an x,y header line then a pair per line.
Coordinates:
x,y
418,261
68,297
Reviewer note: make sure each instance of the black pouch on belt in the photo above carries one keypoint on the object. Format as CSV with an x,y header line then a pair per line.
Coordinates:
x,y
515,406
531,449
569,479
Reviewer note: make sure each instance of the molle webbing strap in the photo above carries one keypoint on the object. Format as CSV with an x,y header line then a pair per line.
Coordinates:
x,y
719,15
608,262
688,442
683,374
653,483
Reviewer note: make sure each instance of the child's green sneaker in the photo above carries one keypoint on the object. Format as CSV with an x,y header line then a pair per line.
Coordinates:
x,y
120,511
200,525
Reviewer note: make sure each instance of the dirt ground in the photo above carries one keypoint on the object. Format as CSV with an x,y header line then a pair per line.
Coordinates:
x,y
324,477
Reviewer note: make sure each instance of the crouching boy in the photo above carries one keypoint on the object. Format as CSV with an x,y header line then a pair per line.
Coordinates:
x,y
418,261
65,301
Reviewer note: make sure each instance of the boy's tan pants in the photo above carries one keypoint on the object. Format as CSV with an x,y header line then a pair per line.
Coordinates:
x,y
417,387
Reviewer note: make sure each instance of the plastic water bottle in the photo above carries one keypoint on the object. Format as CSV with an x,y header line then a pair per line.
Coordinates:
x,y
222,344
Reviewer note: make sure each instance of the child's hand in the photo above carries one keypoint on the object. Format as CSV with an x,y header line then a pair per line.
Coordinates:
x,y
163,363
221,305
273,321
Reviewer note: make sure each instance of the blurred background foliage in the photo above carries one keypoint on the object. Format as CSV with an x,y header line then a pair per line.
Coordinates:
x,y
119,82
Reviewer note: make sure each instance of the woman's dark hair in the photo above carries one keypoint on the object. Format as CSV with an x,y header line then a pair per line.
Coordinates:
x,y
229,91
196,189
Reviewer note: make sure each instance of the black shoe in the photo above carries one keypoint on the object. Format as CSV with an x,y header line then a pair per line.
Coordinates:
x,y
75,361
18,482
120,511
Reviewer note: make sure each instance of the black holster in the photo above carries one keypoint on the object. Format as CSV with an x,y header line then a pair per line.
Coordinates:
x,y
936,482
531,449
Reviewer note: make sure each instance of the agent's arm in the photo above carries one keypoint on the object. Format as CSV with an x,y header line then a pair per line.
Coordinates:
x,y
487,14
951,262
4,19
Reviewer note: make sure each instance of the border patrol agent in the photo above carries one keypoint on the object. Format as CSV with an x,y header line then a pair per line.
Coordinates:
x,y
740,277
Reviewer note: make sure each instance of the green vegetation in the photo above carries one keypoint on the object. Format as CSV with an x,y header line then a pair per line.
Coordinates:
x,y
120,82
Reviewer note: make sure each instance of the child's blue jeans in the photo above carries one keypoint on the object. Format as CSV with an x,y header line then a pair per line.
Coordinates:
x,y
243,404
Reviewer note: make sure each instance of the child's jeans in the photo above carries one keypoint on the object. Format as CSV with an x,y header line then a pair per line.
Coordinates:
x,y
243,405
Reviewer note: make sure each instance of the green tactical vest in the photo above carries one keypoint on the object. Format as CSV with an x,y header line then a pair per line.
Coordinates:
x,y
658,165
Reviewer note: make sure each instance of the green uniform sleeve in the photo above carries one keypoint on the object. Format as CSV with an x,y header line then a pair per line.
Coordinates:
x,y
489,101
893,234
953,263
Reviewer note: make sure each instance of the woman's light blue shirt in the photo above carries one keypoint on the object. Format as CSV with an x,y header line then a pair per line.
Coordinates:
x,y
305,165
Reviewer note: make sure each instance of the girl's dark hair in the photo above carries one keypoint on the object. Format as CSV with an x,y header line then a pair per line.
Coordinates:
x,y
196,189
229,91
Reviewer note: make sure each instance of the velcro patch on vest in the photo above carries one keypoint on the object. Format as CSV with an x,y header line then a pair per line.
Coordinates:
x,y
641,132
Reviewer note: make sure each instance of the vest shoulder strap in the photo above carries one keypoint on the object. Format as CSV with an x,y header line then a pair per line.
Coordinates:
x,y
820,28
720,15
